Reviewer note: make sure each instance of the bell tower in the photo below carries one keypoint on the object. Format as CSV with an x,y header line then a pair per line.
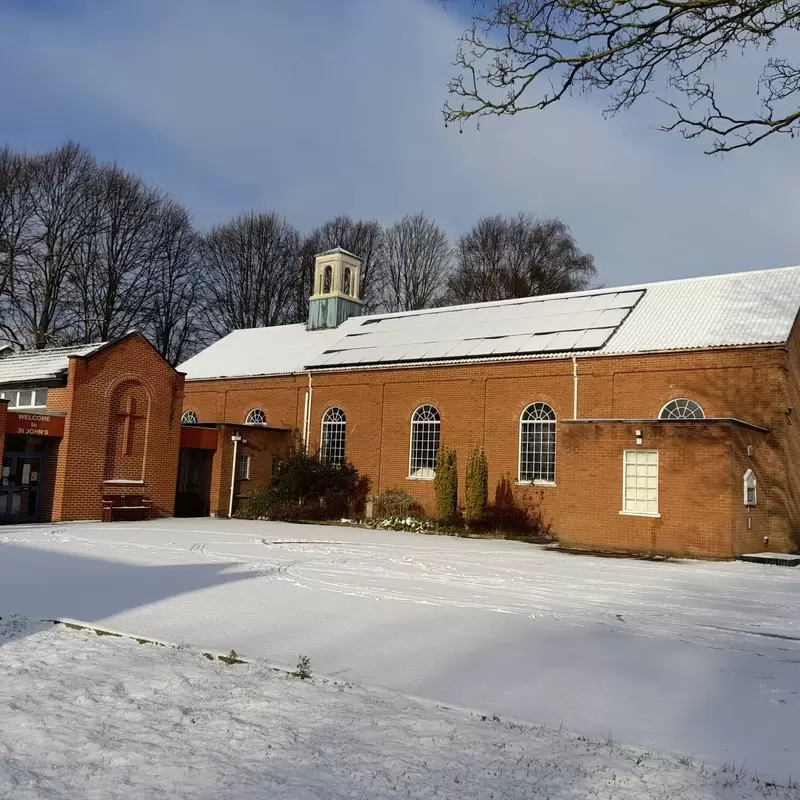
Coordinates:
x,y
337,286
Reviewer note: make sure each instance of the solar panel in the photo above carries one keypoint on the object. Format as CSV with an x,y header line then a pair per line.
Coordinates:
x,y
525,327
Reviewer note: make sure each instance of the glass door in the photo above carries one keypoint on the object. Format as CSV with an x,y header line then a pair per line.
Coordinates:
x,y
19,487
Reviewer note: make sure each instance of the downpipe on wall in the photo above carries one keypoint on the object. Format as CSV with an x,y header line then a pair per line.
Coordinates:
x,y
574,387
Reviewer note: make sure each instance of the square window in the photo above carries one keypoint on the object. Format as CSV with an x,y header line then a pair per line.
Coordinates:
x,y
640,482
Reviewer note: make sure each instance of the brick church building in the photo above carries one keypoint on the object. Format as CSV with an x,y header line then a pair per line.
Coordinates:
x,y
658,418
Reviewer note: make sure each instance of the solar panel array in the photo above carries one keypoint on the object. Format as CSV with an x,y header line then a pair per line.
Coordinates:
x,y
527,327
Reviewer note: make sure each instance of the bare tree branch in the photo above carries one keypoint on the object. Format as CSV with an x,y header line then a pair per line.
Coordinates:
x,y
522,55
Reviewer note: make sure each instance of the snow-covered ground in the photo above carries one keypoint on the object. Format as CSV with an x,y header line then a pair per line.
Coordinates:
x,y
108,718
698,659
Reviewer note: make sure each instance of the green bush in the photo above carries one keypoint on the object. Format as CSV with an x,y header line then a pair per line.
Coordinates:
x,y
395,503
476,486
446,485
304,487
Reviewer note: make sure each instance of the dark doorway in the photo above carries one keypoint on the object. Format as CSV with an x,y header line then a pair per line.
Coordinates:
x,y
193,495
20,487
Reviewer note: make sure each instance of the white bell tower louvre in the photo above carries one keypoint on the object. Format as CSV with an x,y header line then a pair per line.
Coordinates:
x,y
337,287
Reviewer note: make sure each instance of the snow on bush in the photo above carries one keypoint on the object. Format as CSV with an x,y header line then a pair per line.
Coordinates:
x,y
408,524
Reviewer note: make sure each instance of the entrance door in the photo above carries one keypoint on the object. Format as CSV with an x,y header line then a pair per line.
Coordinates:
x,y
19,487
193,496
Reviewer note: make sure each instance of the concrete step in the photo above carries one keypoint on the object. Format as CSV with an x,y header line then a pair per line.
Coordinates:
x,y
780,559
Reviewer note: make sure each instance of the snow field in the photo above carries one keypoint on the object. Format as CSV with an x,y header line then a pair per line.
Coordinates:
x,y
104,717
693,658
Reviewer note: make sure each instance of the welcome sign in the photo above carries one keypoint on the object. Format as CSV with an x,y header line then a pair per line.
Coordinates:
x,y
24,424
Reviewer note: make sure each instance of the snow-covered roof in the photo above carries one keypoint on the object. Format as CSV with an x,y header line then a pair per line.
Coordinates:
x,y
40,366
745,308
279,350
335,250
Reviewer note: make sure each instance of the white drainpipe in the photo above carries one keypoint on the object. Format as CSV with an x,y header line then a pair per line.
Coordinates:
x,y
574,387
235,439
307,420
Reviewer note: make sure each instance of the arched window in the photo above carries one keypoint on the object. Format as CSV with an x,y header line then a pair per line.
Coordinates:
x,y
256,417
537,444
189,418
425,428
681,408
327,279
347,281
750,487
332,440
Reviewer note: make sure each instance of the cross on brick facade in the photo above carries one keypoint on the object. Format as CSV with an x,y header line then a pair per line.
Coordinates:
x,y
129,415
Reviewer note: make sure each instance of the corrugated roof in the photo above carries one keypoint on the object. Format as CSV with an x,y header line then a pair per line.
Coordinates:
x,y
37,366
279,350
743,308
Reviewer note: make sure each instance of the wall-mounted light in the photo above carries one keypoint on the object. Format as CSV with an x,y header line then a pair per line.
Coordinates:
x,y
639,438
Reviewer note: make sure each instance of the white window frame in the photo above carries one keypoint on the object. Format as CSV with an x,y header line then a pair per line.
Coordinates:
x,y
189,417
684,400
748,476
548,421
430,474
12,395
336,427
647,512
253,412
243,468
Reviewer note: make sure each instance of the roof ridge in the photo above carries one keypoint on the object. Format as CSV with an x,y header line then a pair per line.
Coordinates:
x,y
52,350
538,298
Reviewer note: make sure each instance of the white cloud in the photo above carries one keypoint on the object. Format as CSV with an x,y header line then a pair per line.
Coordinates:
x,y
317,108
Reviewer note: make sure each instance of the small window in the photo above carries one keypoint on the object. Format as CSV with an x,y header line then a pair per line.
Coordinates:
x,y
750,489
537,444
332,439
640,483
347,281
243,468
25,398
681,408
256,417
425,432
327,280
189,418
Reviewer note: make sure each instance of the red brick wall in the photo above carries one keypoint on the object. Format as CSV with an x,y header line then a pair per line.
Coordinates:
x,y
700,504
482,403
262,445
90,400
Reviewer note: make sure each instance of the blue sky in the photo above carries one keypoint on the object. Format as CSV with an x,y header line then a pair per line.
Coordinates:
x,y
315,108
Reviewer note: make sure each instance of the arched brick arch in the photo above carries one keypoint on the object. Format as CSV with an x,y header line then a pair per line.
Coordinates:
x,y
129,406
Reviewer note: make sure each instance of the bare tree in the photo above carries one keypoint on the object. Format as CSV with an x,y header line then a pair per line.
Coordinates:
x,y
250,271
364,238
35,312
529,54
174,316
113,280
416,260
506,257
16,212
